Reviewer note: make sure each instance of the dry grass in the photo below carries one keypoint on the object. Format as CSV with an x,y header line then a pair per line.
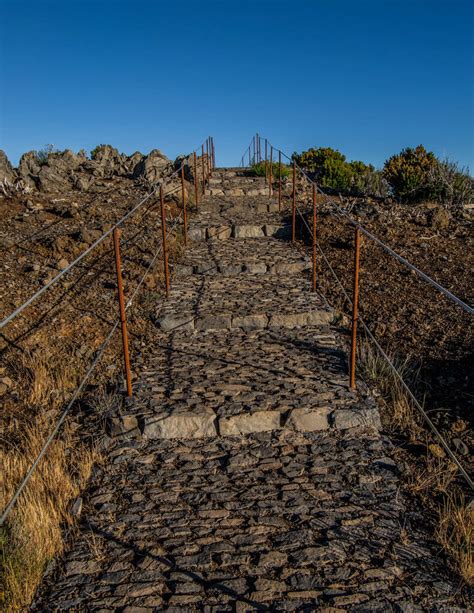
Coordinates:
x,y
401,411
432,478
33,533
455,533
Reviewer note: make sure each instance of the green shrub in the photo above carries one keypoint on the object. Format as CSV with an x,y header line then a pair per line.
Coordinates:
x,y
408,174
95,151
43,154
259,169
331,170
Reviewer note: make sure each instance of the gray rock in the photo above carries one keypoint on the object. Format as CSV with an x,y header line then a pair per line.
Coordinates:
x,y
186,425
153,167
248,231
245,423
6,169
357,418
250,322
309,420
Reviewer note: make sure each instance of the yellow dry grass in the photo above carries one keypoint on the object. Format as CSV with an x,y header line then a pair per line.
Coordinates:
x,y
33,533
455,533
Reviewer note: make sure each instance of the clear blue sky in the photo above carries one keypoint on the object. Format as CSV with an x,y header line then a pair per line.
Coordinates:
x,y
368,77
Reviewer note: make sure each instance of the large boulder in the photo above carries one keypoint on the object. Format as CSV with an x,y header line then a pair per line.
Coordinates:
x,y
153,167
58,172
133,161
6,169
107,162
29,168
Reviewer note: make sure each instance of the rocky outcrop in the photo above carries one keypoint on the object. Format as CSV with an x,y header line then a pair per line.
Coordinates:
x,y
6,169
66,170
107,162
29,168
153,167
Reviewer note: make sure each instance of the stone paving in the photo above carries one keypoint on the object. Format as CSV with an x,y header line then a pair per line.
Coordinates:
x,y
246,475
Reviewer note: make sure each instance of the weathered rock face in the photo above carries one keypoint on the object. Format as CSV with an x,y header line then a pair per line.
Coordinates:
x,y
66,170
107,162
57,174
153,167
29,168
6,169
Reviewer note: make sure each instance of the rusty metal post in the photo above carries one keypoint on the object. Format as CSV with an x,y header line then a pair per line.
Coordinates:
x,y
266,164
279,180
203,172
209,166
293,224
271,173
213,154
165,246
185,219
123,319
196,190
313,285
355,309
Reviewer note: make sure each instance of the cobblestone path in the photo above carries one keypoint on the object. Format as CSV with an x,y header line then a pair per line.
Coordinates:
x,y
246,476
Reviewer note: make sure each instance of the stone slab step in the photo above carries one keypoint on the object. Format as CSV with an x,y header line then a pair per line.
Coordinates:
x,y
236,191
252,256
205,423
235,383
204,232
246,301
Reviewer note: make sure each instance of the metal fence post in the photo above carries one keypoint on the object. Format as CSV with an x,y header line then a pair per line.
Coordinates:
x,y
203,171
314,239
165,246
279,180
293,224
266,164
185,219
123,319
355,309
196,190
270,172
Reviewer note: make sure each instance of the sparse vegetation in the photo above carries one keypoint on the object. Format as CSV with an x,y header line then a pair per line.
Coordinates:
x,y
332,171
433,477
261,169
33,534
43,154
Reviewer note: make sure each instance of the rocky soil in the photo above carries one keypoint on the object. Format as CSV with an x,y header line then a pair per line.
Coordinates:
x,y
413,321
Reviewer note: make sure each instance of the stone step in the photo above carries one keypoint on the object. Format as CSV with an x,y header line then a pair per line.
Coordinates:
x,y
252,256
252,301
202,232
237,191
232,383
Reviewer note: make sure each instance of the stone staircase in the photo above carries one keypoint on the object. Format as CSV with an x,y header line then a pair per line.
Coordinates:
x,y
246,475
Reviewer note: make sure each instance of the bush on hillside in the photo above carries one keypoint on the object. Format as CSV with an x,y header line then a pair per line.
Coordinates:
x,y
452,185
328,166
408,174
331,171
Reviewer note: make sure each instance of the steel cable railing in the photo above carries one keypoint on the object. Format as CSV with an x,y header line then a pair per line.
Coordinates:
x,y
207,170
368,332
